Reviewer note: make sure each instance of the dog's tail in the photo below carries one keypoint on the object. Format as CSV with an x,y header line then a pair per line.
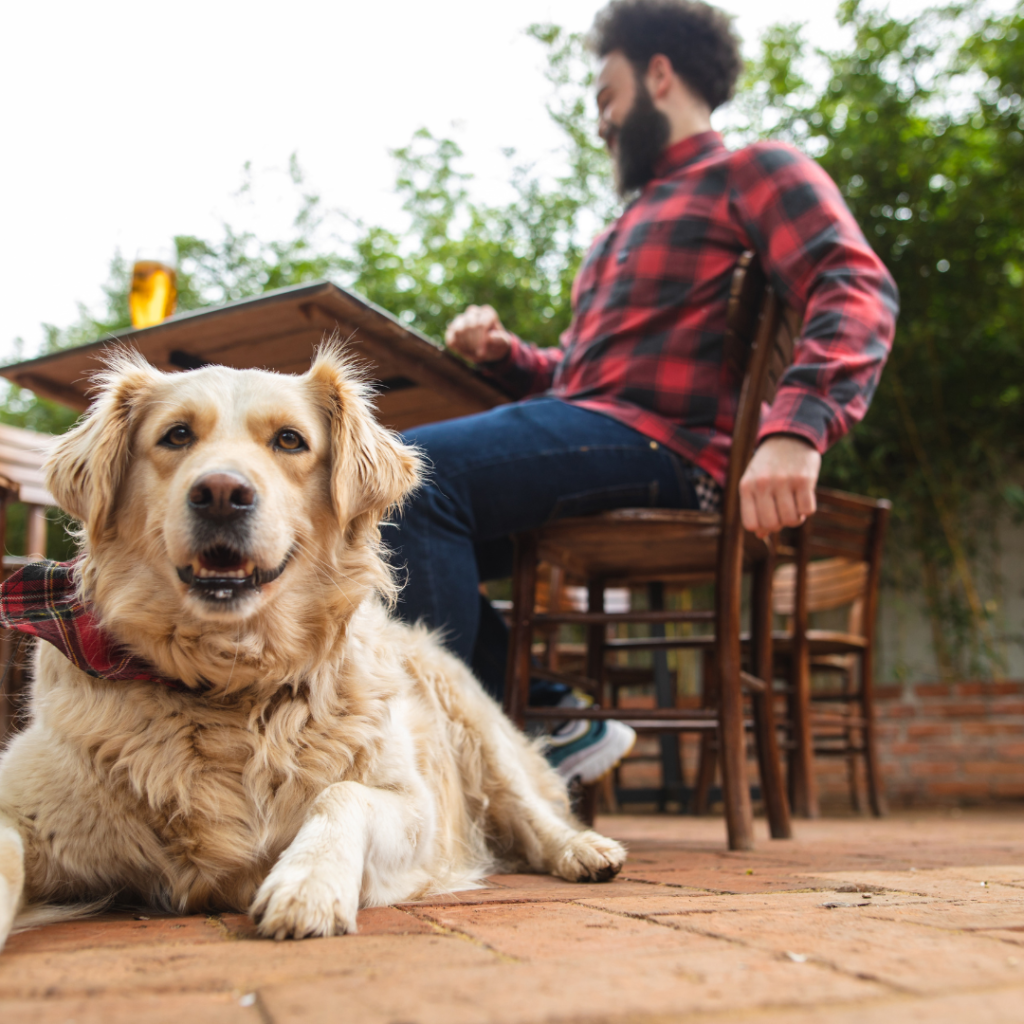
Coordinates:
x,y
39,914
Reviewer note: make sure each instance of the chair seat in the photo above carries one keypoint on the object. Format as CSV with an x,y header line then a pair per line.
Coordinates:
x,y
632,544
821,642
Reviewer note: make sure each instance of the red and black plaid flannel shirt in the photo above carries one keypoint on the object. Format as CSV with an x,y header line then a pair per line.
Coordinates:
x,y
41,599
650,304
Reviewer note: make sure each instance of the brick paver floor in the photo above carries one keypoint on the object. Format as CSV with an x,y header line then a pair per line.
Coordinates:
x,y
918,917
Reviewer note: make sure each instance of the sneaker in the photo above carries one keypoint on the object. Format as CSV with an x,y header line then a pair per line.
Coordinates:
x,y
572,728
588,749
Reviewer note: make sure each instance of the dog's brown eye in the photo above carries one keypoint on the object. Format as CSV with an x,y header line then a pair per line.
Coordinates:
x,y
290,441
177,437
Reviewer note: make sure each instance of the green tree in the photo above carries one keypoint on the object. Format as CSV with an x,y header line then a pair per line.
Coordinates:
x,y
922,130
920,124
520,258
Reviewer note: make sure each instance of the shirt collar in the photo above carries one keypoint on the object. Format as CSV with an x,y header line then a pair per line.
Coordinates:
x,y
686,151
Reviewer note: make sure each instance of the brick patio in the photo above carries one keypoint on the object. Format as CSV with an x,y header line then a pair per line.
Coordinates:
x,y
919,917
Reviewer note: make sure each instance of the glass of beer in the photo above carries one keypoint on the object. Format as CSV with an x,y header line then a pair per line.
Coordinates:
x,y
154,292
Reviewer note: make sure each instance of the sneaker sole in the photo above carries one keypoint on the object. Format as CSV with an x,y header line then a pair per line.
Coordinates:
x,y
594,761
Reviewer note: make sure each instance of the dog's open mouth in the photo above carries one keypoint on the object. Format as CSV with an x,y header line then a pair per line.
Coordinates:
x,y
222,574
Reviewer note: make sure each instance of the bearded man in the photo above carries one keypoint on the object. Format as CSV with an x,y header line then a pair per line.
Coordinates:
x,y
637,405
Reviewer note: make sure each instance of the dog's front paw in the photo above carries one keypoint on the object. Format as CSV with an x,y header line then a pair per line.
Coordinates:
x,y
297,901
590,857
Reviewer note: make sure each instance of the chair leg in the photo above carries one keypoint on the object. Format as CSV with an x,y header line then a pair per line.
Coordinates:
x,y
6,682
705,774
586,803
708,754
772,785
524,592
606,791
874,772
802,784
732,745
595,641
855,740
555,584
853,776
665,697
14,683
792,747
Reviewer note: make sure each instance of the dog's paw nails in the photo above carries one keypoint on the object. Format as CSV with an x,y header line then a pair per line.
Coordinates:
x,y
298,905
590,857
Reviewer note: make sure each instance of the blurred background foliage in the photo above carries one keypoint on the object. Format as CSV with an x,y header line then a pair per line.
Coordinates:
x,y
921,124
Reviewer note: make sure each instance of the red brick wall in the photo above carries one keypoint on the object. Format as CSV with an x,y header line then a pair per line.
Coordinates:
x,y
945,743
939,744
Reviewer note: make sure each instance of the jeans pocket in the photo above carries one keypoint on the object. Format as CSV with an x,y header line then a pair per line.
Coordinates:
x,y
601,500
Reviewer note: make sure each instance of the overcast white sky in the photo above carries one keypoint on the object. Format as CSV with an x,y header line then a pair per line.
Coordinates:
x,y
123,124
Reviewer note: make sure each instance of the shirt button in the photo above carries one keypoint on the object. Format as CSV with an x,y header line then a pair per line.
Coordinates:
x,y
654,444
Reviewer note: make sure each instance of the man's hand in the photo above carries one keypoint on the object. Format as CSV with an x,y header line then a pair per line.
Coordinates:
x,y
478,335
778,487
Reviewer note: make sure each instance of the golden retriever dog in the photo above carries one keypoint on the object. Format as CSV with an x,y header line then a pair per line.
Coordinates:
x,y
316,756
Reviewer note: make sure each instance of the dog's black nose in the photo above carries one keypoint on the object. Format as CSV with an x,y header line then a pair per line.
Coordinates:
x,y
222,496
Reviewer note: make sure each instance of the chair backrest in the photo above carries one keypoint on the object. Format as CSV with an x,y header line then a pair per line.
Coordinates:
x,y
831,583
760,335
839,549
22,454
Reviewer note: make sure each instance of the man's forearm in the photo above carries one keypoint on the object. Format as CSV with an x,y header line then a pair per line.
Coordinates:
x,y
526,369
821,266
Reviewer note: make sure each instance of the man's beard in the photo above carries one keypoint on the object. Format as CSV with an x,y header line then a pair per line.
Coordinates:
x,y
640,140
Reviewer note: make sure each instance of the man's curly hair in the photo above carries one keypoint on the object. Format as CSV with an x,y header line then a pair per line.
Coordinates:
x,y
697,39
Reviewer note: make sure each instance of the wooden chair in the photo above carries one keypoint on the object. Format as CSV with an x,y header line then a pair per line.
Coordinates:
x,y
10,675
838,561
22,453
643,545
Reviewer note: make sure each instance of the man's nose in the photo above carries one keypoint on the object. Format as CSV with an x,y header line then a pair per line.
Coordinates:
x,y
222,496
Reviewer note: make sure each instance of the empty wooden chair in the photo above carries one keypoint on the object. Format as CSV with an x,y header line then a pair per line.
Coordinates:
x,y
838,561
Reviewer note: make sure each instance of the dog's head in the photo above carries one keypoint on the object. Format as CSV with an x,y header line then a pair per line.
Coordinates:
x,y
227,500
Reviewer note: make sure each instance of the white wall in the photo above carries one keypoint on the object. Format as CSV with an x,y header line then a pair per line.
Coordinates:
x,y
905,644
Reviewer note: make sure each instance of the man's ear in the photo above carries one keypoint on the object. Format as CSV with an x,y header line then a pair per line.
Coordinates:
x,y
371,469
658,78
85,469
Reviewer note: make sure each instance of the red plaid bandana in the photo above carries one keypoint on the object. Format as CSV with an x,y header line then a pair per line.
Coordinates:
x,y
41,599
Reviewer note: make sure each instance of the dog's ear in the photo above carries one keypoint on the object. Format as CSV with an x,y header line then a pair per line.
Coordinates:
x,y
86,466
371,470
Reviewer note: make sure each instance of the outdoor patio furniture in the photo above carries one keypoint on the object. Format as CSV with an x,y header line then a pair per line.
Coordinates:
x,y
22,453
631,546
838,561
417,380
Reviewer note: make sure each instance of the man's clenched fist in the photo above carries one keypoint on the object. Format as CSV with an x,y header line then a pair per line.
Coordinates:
x,y
477,334
777,489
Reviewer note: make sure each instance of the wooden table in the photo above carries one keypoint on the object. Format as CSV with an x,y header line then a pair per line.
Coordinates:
x,y
418,380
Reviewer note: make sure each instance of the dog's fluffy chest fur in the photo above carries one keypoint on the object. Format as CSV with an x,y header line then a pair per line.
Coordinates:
x,y
209,792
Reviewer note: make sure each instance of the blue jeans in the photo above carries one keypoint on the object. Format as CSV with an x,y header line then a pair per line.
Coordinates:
x,y
498,473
